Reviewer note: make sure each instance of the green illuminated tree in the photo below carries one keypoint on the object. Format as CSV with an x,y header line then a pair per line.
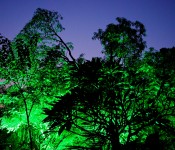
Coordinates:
x,y
36,75
47,26
163,61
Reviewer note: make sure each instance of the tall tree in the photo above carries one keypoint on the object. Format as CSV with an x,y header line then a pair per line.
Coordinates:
x,y
112,107
115,106
39,73
122,41
47,25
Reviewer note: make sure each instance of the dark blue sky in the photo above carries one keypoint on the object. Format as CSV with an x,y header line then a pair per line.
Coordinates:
x,y
83,17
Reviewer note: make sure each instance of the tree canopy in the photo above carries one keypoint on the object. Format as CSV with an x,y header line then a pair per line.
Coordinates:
x,y
123,40
51,100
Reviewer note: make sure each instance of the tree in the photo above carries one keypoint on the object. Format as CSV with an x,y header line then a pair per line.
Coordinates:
x,y
39,77
47,25
163,62
122,41
115,106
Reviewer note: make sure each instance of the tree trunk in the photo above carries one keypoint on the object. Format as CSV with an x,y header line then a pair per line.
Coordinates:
x,y
114,137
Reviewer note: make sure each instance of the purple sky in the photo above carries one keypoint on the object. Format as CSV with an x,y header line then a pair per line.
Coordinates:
x,y
84,17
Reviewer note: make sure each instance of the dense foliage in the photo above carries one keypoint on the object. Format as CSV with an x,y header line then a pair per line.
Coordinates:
x,y
51,101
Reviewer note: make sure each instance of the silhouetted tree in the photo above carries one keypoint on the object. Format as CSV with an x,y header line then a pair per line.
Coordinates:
x,y
113,105
123,41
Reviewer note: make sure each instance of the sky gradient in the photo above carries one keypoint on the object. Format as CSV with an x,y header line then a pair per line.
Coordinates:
x,y
81,18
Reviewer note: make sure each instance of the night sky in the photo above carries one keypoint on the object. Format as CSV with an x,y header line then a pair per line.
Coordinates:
x,y
82,18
